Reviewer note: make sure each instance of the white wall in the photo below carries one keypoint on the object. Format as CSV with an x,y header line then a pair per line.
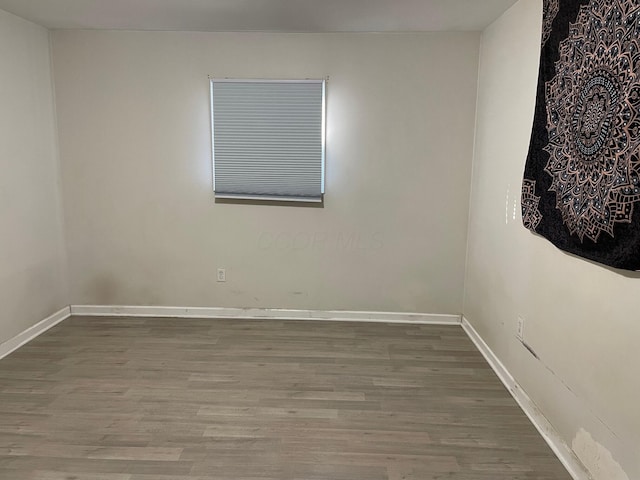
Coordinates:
x,y
142,225
580,318
32,259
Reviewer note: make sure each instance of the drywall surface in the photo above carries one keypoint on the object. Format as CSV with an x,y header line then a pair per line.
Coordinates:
x,y
32,259
581,319
142,224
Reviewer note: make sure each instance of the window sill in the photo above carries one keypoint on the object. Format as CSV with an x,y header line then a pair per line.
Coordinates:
x,y
315,202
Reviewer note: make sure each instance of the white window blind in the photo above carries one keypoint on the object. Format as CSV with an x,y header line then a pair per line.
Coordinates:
x,y
268,139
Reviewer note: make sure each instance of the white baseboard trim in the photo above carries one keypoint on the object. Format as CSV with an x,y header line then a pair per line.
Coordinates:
x,y
30,333
564,453
546,430
263,313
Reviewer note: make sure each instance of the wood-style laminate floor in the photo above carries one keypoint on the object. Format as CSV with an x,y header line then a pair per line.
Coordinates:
x,y
165,399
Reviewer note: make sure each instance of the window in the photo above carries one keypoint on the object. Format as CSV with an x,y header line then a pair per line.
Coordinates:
x,y
268,139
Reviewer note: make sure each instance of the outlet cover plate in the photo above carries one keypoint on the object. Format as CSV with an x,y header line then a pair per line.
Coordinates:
x,y
222,275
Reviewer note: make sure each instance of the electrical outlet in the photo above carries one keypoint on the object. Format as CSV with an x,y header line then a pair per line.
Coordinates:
x,y
520,329
222,275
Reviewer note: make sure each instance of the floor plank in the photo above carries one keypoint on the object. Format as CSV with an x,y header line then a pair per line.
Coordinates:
x,y
178,399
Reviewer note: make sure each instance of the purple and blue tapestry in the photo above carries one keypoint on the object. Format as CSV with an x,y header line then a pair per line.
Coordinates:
x,y
581,187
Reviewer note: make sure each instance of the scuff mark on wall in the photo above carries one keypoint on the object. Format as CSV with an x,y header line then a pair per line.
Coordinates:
x,y
566,385
531,351
103,289
596,458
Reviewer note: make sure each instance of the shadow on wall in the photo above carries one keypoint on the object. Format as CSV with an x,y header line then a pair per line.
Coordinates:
x,y
106,290
624,273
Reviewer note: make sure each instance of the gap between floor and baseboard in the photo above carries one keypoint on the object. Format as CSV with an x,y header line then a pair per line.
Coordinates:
x,y
32,332
550,435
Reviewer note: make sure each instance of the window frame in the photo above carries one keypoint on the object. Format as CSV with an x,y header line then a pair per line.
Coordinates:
x,y
271,198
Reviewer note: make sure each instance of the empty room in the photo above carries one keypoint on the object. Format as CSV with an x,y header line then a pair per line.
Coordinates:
x,y
319,239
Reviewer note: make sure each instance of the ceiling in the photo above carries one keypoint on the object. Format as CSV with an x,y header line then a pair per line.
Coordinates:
x,y
262,15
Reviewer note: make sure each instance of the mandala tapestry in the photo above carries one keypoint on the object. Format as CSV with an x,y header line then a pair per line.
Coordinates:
x,y
581,186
